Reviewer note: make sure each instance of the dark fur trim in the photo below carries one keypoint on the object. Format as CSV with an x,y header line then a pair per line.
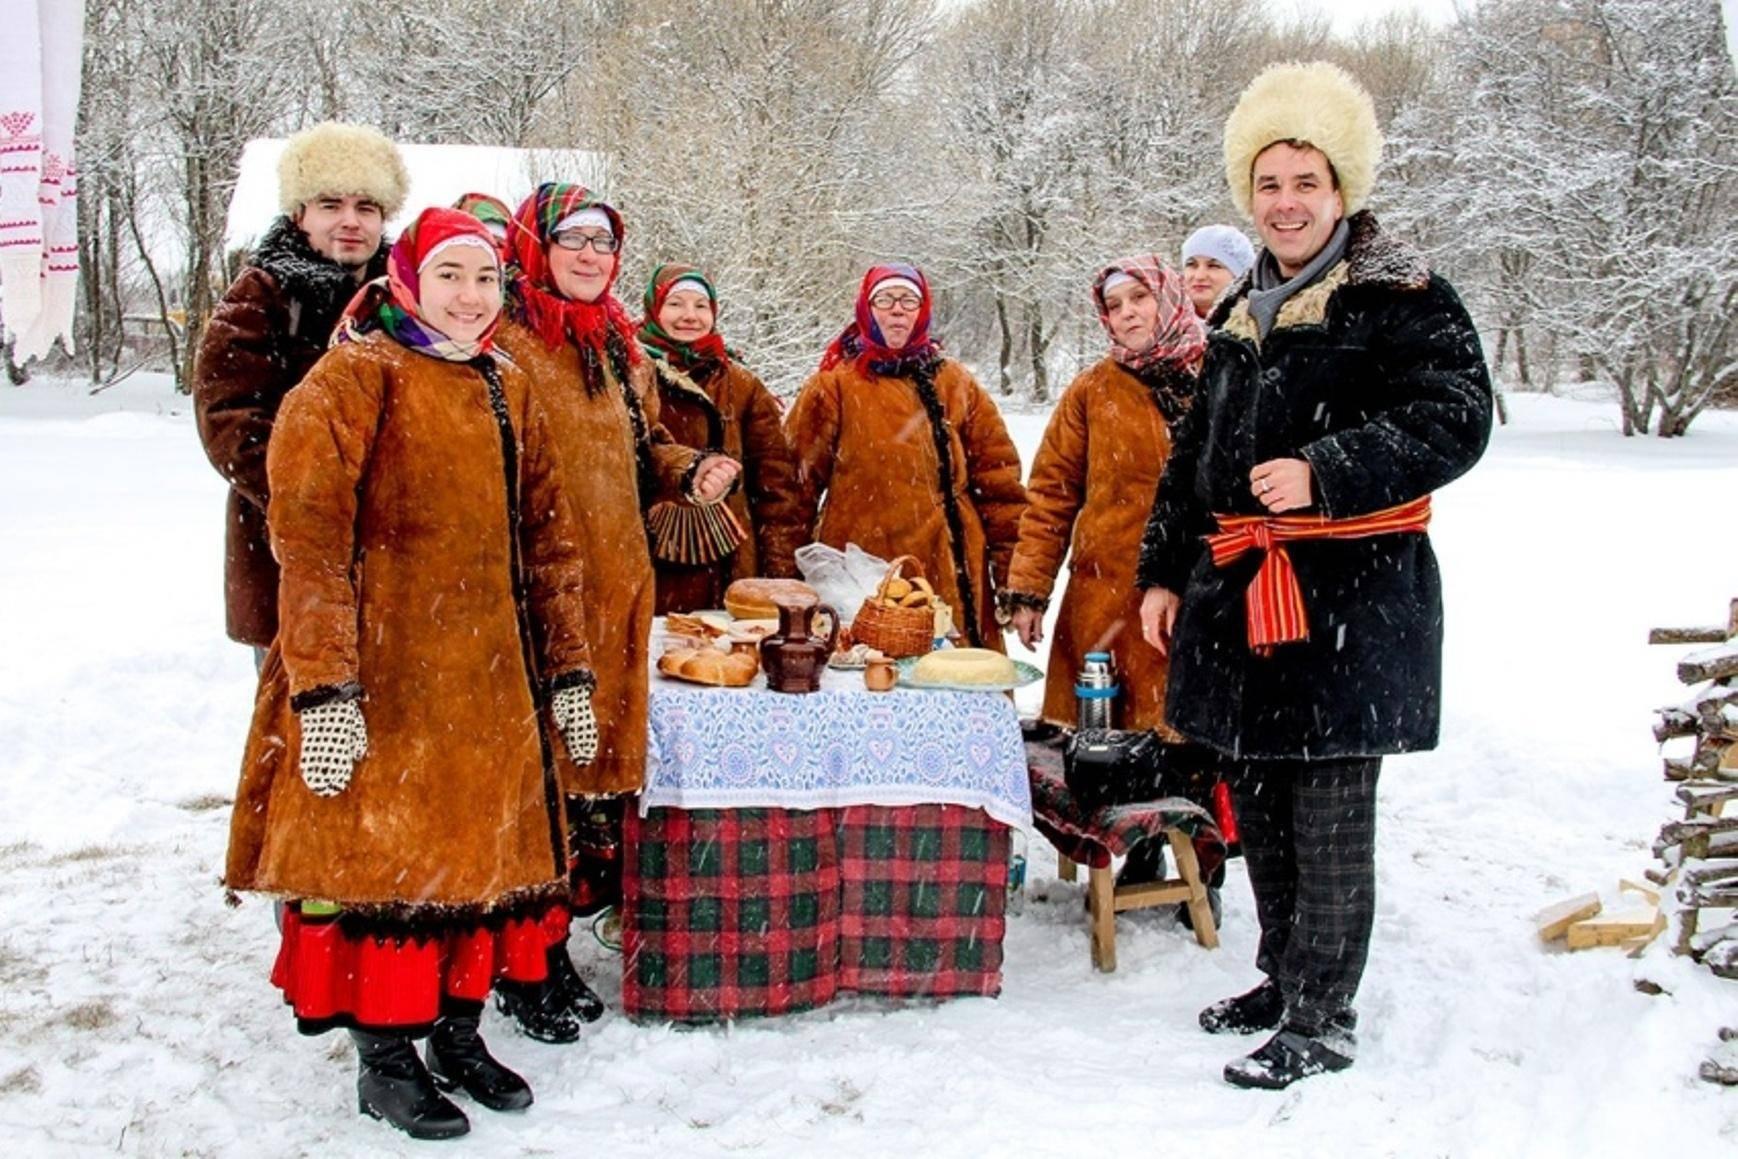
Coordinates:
x,y
1374,257
421,921
305,275
924,379
1007,601
325,694
578,678
1172,388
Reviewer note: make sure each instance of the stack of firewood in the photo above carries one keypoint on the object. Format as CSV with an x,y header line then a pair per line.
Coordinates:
x,y
1700,849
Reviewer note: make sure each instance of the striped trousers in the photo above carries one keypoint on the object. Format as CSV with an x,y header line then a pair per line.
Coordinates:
x,y
1309,837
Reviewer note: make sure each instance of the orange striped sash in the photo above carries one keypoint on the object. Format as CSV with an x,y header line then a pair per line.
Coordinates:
x,y
1274,604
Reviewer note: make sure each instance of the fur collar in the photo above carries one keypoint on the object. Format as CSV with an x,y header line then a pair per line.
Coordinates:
x,y
321,285
1373,258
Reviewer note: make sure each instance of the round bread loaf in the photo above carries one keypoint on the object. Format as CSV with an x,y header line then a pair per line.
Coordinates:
x,y
753,598
964,666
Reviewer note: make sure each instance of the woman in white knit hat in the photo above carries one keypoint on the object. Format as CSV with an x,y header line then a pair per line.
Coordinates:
x,y
1213,258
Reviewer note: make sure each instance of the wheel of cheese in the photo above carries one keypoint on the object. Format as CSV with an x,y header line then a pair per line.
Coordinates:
x,y
964,666
753,599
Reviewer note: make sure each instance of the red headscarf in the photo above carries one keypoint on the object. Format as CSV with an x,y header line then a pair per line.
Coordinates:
x,y
861,342
537,301
1178,338
394,303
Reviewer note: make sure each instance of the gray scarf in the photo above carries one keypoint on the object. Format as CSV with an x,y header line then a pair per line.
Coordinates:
x,y
1269,290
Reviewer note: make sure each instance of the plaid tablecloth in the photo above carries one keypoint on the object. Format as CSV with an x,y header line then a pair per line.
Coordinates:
x,y
732,913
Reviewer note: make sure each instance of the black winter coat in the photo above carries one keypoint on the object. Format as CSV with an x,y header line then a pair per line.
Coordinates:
x,y
1374,375
272,325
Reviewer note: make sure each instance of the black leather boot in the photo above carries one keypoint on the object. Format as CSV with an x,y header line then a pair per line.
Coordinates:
x,y
585,1003
391,1084
540,1010
458,1060
1287,1057
1262,1008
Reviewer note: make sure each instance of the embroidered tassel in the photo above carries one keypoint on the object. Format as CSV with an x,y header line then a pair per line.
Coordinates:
x,y
693,536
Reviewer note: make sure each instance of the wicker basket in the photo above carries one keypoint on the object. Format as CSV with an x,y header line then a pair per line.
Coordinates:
x,y
897,632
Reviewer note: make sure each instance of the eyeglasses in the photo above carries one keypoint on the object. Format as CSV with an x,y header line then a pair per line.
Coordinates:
x,y
574,239
895,302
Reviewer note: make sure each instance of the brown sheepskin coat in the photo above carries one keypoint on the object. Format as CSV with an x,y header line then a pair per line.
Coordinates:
x,y
728,409
595,437
1092,485
868,473
409,501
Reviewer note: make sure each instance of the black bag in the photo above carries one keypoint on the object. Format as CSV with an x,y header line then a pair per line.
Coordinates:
x,y
1111,766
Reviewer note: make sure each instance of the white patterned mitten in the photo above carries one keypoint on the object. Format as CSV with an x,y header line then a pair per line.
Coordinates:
x,y
334,738
571,708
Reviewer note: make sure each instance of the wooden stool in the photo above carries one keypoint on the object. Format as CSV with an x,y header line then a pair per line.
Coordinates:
x,y
1094,837
1105,899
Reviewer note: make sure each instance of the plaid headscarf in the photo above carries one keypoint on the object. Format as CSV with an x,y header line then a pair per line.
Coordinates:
x,y
394,303
861,342
1178,338
491,211
684,356
601,329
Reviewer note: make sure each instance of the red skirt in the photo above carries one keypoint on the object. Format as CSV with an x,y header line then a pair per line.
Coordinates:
x,y
333,978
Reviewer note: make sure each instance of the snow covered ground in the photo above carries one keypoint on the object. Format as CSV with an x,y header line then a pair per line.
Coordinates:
x,y
135,1015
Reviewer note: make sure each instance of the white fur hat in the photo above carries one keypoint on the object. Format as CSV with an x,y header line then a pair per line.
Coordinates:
x,y
337,158
1316,102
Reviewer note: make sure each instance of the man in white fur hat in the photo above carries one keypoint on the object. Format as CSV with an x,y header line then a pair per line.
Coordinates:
x,y
337,186
1343,383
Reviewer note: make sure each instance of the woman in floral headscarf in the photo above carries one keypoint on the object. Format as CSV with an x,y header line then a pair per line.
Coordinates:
x,y
1092,482
397,788
574,340
1094,477
909,453
709,399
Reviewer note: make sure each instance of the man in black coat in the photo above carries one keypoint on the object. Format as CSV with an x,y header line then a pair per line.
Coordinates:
x,y
1286,567
337,185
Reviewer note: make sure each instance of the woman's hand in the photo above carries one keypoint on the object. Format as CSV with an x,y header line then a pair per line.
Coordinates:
x,y
1158,616
714,478
1281,484
1028,623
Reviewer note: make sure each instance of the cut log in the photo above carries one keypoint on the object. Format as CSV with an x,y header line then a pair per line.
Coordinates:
x,y
1717,663
1614,928
1625,885
1675,722
1709,873
1678,769
1695,837
1708,897
1704,796
1713,634
1553,920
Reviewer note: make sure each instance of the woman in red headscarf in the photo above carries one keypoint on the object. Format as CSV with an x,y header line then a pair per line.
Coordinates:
x,y
574,340
902,452
398,790
709,399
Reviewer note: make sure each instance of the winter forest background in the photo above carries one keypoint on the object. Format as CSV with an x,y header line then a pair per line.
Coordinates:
x,y
1572,165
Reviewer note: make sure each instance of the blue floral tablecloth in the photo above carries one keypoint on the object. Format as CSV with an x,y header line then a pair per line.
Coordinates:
x,y
734,748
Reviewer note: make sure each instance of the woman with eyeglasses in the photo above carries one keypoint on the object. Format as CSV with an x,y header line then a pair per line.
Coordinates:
x,y
709,399
575,342
397,785
900,451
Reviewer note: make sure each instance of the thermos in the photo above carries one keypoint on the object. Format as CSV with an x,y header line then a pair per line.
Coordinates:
x,y
1095,690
